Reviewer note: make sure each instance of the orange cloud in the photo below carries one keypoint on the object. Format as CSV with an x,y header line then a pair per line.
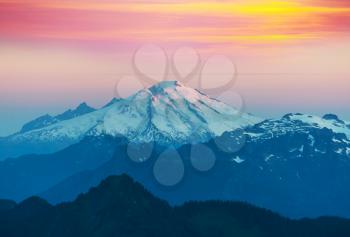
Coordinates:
x,y
255,21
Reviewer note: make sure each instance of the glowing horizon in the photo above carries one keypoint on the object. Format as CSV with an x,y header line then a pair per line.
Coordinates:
x,y
292,55
241,22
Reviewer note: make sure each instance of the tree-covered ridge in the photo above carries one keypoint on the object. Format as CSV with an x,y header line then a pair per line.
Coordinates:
x,y
121,207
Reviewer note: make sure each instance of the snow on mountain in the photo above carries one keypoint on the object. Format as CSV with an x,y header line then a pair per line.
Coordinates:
x,y
72,129
299,123
42,121
82,109
170,113
329,121
47,120
166,113
114,100
299,135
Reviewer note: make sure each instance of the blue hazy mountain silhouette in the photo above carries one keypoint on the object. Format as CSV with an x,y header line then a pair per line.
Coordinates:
x,y
289,166
119,206
297,165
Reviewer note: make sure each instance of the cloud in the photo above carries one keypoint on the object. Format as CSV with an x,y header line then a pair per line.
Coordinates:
x,y
191,21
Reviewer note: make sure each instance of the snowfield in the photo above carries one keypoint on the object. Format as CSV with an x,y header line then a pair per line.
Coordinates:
x,y
166,113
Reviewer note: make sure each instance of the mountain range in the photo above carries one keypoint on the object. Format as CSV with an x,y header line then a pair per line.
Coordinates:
x,y
121,207
297,165
167,113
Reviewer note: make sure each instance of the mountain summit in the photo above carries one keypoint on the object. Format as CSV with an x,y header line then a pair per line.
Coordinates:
x,y
167,113
170,113
47,120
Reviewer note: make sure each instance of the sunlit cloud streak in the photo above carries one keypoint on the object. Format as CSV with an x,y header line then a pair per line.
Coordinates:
x,y
190,21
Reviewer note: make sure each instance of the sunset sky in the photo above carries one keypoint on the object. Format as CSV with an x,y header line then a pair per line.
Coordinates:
x,y
292,56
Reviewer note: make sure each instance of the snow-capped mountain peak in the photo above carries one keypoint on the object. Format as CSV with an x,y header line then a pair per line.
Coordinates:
x,y
166,113
170,113
328,121
165,85
297,122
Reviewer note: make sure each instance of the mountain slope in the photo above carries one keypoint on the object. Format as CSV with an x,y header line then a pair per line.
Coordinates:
x,y
47,120
167,113
32,174
6,204
292,167
121,207
170,113
308,159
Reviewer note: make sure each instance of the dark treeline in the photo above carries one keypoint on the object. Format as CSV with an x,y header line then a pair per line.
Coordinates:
x,y
121,207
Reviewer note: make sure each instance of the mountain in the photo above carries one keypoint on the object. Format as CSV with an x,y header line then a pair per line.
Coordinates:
x,y
6,204
296,166
166,113
25,142
121,207
40,122
170,114
114,100
28,175
82,109
47,120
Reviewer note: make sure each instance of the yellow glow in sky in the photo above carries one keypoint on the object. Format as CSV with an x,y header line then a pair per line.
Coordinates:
x,y
207,8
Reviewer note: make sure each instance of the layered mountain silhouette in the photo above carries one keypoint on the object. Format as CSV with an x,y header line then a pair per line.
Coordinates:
x,y
121,207
298,165
300,172
167,113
